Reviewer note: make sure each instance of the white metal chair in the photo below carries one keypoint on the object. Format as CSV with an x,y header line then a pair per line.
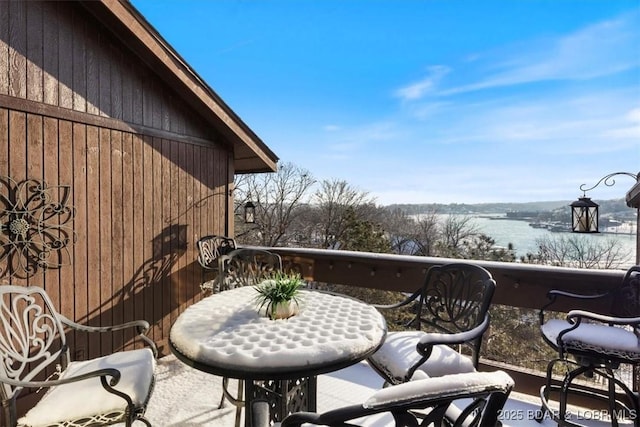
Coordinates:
x,y
592,343
35,354
469,399
451,310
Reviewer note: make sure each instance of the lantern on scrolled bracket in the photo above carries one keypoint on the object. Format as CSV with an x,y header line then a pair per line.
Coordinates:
x,y
249,213
584,216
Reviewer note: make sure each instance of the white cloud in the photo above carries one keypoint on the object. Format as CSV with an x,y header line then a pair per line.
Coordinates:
x,y
598,50
634,115
512,142
425,86
359,137
566,121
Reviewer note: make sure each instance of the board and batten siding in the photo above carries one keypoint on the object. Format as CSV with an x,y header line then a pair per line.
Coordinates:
x,y
141,203
58,54
148,174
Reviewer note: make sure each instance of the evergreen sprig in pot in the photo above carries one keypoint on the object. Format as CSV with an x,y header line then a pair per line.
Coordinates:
x,y
278,295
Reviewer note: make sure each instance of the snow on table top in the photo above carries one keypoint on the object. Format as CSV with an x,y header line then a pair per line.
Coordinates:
x,y
227,330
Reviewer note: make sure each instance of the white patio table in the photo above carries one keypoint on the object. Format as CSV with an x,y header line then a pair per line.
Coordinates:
x,y
225,335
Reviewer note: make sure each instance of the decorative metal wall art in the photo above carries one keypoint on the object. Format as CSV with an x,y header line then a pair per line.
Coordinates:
x,y
35,227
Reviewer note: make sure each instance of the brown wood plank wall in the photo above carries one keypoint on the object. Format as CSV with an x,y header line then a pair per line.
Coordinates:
x,y
141,203
141,199
58,54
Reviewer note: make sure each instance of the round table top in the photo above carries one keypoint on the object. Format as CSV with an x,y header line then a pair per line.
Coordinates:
x,y
224,334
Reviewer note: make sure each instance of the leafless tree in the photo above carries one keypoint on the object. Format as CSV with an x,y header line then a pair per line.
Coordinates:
x,y
571,250
400,229
334,199
278,198
454,231
427,234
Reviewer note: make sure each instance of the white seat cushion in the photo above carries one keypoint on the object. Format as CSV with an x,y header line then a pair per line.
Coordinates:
x,y
399,353
87,397
599,338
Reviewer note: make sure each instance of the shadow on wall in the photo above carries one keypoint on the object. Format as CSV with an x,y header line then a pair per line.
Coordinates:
x,y
155,292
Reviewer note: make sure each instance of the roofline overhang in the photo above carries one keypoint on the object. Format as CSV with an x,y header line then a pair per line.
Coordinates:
x,y
633,196
138,34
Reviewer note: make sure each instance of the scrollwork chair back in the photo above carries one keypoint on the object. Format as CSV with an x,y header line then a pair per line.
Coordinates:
x,y
455,298
626,299
247,267
210,249
32,338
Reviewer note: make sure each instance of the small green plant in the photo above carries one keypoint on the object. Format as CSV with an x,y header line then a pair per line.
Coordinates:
x,y
276,290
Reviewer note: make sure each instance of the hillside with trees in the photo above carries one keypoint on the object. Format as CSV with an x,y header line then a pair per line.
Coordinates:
x,y
294,209
614,208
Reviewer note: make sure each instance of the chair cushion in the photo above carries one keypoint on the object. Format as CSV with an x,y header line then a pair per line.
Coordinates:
x,y
606,340
398,354
86,398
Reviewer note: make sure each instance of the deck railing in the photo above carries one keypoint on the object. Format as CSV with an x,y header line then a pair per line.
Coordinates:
x,y
518,285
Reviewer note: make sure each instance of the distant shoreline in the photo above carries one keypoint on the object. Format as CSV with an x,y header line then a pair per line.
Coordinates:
x,y
625,227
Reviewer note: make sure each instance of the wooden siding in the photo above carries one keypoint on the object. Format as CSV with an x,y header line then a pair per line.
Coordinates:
x,y
58,54
148,175
141,203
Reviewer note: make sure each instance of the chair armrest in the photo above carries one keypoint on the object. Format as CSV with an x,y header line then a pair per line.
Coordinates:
x,y
557,293
141,326
450,387
402,303
578,315
334,417
103,373
553,295
436,393
427,341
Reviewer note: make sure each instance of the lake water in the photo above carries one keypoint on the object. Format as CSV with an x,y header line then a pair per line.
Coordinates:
x,y
523,236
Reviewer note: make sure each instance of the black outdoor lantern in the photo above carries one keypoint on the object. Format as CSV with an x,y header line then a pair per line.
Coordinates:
x,y
249,212
584,212
584,216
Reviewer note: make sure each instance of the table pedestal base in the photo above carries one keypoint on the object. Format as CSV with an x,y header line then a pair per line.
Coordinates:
x,y
284,396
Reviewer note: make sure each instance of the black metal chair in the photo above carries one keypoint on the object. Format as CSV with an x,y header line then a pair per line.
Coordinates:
x,y
246,267
451,310
594,344
243,267
210,248
469,399
35,354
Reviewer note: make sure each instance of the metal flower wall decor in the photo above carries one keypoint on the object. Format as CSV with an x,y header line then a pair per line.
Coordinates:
x,y
35,227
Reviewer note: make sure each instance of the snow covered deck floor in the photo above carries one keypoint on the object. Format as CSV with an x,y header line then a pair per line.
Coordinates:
x,y
185,397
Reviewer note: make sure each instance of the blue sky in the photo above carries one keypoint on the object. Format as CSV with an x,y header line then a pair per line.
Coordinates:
x,y
428,101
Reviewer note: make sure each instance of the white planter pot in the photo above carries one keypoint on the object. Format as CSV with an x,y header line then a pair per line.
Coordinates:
x,y
283,310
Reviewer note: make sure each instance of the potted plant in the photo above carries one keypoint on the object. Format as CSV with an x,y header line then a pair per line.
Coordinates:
x,y
278,294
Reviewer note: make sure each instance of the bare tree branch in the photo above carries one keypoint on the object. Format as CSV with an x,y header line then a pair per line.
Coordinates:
x,y
277,198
